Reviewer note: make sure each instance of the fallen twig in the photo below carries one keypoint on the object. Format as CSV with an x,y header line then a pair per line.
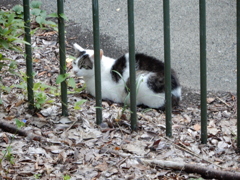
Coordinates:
x,y
190,168
223,101
14,130
184,148
205,172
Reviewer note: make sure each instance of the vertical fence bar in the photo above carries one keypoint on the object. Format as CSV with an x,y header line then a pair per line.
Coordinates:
x,y
132,65
28,50
203,70
238,74
167,69
98,91
61,33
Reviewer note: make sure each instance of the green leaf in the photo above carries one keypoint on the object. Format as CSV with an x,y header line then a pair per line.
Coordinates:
x,y
43,14
35,12
78,104
19,123
18,9
55,15
62,15
36,86
71,82
52,24
35,4
61,78
40,20
10,19
4,44
66,177
1,65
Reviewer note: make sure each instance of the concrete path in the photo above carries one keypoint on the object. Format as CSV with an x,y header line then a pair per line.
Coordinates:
x,y
221,35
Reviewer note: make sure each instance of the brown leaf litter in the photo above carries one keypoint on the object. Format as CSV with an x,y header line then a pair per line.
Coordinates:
x,y
76,146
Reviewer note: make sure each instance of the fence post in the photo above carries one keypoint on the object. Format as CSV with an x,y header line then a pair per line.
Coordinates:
x,y
97,63
238,74
167,68
61,33
132,65
203,70
28,50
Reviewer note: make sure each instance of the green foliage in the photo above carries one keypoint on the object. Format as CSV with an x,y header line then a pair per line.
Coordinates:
x,y
40,16
126,106
11,28
61,78
37,176
19,124
11,35
66,177
7,154
77,105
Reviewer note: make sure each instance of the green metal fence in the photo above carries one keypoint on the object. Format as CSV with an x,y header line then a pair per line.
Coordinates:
x,y
167,60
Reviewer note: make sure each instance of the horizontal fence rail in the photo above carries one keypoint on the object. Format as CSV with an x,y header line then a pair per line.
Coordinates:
x,y
131,34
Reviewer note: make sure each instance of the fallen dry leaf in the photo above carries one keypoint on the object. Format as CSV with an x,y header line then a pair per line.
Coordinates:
x,y
197,127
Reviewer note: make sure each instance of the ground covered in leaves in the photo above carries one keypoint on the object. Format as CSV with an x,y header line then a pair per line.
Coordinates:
x,y
76,147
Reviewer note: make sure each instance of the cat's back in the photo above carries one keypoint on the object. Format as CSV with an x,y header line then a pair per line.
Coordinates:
x,y
148,63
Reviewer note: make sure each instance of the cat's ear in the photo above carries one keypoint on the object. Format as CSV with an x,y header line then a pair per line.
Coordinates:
x,y
77,47
101,54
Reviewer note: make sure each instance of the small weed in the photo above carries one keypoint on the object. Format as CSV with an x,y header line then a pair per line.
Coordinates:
x,y
11,35
38,16
66,177
37,176
77,105
7,154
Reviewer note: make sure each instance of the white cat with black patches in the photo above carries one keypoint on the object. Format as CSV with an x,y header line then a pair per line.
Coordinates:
x,y
115,78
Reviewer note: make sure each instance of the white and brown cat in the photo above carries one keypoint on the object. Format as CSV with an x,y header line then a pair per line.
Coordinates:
x,y
115,78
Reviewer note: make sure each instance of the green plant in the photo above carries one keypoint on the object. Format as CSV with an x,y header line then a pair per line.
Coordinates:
x,y
77,105
40,96
66,177
11,30
40,91
7,154
126,106
70,82
38,16
37,176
